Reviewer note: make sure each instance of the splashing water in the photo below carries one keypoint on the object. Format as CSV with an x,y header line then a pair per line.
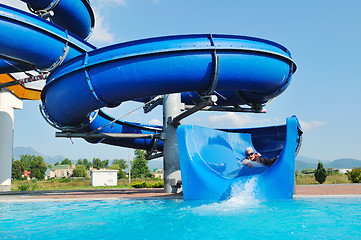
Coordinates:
x,y
244,192
242,196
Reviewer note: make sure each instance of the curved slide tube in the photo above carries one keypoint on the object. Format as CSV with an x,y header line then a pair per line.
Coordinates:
x,y
28,42
211,166
256,69
79,18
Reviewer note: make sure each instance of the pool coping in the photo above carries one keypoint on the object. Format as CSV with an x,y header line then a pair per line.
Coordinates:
x,y
325,196
302,192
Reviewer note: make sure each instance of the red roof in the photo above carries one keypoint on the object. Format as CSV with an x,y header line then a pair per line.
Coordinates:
x,y
27,173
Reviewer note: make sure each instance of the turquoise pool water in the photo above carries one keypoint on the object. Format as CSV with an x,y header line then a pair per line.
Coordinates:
x,y
237,218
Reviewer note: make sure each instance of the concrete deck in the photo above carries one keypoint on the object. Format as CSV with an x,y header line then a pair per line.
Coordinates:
x,y
328,191
302,191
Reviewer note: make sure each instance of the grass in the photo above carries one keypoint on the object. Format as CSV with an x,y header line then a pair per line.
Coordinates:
x,y
79,184
309,179
69,184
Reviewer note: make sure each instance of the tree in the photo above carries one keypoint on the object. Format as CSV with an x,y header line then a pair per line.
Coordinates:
x,y
66,162
97,163
121,163
105,163
139,165
34,164
85,163
26,160
320,173
17,170
79,171
121,174
36,173
38,168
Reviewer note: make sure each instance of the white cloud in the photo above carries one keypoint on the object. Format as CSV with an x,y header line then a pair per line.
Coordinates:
x,y
15,4
155,122
107,3
306,126
120,2
101,33
235,119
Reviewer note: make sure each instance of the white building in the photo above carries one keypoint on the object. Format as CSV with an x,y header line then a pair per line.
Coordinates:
x,y
103,177
344,170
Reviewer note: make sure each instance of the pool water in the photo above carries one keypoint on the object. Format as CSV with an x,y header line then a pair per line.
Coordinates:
x,y
238,218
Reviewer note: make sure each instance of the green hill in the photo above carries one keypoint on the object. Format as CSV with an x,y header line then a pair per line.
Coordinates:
x,y
345,163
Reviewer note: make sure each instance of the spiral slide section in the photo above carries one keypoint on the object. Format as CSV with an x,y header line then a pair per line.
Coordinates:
x,y
251,71
239,70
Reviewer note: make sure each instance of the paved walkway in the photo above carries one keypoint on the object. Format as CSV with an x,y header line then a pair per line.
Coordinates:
x,y
328,190
80,195
302,191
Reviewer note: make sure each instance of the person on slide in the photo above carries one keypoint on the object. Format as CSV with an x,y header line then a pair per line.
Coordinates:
x,y
256,159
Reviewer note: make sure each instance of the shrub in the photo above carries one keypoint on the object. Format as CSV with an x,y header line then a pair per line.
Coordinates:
x,y
79,171
355,175
147,185
139,184
320,173
158,185
64,180
23,187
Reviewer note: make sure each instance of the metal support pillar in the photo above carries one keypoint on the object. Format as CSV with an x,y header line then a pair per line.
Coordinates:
x,y
172,175
8,102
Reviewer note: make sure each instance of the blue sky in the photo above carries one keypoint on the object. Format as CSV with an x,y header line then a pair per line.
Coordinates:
x,y
323,37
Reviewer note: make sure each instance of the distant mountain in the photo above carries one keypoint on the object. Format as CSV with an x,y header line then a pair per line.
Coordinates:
x,y
302,162
301,165
18,151
305,163
25,151
345,163
155,163
311,160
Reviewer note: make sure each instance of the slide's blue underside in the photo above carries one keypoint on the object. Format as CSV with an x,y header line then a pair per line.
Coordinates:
x,y
83,79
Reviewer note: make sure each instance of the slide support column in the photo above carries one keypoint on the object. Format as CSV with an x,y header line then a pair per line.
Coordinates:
x,y
8,102
172,175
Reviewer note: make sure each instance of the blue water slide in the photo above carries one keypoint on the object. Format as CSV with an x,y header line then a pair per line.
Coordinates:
x,y
107,124
28,42
251,70
258,69
211,166
79,18
240,70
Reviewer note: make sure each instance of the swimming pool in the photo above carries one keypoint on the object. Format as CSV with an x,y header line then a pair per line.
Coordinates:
x,y
236,218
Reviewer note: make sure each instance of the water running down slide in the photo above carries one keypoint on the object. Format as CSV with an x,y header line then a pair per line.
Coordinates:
x,y
83,79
